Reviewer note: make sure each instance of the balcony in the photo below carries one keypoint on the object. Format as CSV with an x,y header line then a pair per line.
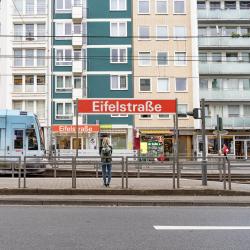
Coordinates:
x,y
78,12
238,14
224,42
77,40
77,66
229,122
227,68
225,94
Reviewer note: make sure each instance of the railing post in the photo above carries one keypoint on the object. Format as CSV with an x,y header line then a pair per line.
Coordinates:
x,y
126,171
229,175
173,172
19,172
96,170
224,174
122,172
24,172
54,166
73,172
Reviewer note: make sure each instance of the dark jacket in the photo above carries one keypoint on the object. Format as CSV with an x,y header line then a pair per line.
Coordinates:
x,y
105,159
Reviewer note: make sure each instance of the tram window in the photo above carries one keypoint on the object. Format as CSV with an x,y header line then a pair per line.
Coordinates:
x,y
18,139
32,140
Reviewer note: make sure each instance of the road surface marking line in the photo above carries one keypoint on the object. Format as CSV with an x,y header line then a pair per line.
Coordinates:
x,y
202,227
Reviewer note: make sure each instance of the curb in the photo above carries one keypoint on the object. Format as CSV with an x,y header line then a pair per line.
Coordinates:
x,y
159,192
117,203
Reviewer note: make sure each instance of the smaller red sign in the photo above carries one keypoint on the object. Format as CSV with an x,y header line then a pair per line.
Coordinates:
x,y
72,128
126,106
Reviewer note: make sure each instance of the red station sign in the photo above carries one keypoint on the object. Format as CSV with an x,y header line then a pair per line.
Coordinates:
x,y
72,128
126,106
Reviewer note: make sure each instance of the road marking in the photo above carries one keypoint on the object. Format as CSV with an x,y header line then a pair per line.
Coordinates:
x,y
202,227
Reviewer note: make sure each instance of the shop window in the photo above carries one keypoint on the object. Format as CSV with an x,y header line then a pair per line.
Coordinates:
x,y
212,145
63,142
229,141
119,141
77,143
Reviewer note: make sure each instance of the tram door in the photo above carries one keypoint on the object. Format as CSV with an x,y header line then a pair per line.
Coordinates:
x,y
18,141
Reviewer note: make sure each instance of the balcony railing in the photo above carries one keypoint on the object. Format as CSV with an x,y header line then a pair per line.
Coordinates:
x,y
224,14
225,94
224,68
229,122
224,41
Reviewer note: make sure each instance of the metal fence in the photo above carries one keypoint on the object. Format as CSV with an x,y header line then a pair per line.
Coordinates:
x,y
128,166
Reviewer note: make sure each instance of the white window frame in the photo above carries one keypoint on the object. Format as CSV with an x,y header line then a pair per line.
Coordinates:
x,y
181,91
176,61
139,59
158,38
63,9
119,55
119,115
143,91
180,38
119,83
64,89
175,13
161,13
64,116
63,36
162,65
62,63
138,9
168,89
164,118
118,28
141,38
118,4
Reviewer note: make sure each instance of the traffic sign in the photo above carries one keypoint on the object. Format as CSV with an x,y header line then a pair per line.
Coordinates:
x,y
223,132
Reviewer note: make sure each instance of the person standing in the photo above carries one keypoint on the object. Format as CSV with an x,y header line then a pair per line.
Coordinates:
x,y
105,152
225,150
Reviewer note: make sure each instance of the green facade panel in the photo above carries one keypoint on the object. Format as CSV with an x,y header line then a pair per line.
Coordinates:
x,y
107,119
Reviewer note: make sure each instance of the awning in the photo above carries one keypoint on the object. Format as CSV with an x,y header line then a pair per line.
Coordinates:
x,y
113,131
156,131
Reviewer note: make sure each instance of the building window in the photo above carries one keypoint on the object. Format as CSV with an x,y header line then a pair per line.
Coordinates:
x,y
162,85
63,57
180,58
180,84
18,60
40,109
144,33
19,7
246,110
17,105
118,5
63,5
179,33
64,110
118,29
231,5
18,32
118,82
29,83
233,110
244,5
201,5
215,5
217,84
163,116
143,6
182,109
118,55
179,7
161,7
231,56
246,84
40,31
204,84
18,82
119,115
144,58
216,57
233,84
162,58
29,33
40,57
41,6
63,31
145,117
29,58
145,85
245,56
63,83
77,82
202,57
30,7
161,32
40,81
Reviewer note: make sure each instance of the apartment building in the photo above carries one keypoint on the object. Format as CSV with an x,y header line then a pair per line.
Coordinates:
x,y
164,44
92,51
25,59
224,68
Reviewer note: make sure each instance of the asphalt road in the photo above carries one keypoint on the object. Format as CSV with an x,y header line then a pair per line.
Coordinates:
x,y
108,228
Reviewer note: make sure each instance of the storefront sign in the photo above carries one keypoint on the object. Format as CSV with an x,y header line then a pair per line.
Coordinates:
x,y
126,106
105,126
72,128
